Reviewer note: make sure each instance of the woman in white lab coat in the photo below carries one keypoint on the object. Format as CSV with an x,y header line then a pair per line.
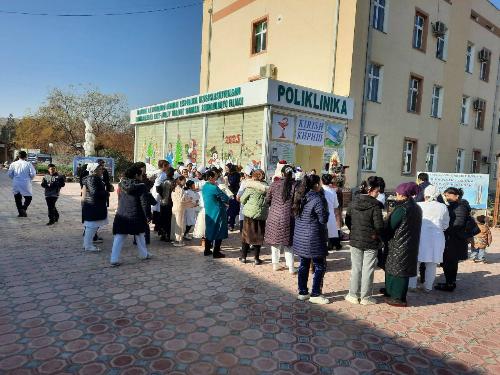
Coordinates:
x,y
191,212
435,220
333,205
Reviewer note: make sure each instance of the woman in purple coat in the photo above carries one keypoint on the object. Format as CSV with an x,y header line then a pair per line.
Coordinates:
x,y
280,220
310,236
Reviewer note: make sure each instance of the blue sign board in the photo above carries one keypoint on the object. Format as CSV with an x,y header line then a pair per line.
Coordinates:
x,y
78,161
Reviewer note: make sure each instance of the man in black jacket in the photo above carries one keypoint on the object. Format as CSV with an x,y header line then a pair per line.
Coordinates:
x,y
52,183
364,220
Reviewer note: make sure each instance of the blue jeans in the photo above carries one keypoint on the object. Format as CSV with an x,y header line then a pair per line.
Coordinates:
x,y
477,254
319,273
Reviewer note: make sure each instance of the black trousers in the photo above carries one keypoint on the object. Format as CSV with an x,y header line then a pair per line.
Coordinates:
x,y
245,248
51,205
217,244
450,269
19,201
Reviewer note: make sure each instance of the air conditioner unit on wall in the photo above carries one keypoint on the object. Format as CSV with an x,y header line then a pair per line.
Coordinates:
x,y
268,71
484,55
479,105
439,28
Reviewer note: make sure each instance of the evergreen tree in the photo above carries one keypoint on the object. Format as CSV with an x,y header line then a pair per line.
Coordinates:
x,y
178,153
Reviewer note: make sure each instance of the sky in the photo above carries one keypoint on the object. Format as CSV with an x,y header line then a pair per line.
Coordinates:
x,y
150,58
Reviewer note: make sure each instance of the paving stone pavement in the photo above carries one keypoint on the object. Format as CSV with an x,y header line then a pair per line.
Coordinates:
x,y
64,311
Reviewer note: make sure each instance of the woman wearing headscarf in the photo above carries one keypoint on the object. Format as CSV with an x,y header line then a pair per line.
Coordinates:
x,y
333,208
233,183
435,220
94,210
457,240
215,202
310,236
180,201
404,226
255,214
280,220
132,215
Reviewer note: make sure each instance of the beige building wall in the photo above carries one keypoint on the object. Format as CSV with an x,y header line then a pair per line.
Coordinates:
x,y
309,48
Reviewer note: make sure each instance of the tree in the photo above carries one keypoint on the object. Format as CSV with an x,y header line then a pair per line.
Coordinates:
x,y
8,130
36,132
67,109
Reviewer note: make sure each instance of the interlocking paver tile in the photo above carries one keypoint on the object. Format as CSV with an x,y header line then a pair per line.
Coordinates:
x,y
65,311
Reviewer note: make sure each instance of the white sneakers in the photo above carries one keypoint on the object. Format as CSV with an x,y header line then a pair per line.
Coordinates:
x,y
179,244
365,301
352,299
92,249
320,300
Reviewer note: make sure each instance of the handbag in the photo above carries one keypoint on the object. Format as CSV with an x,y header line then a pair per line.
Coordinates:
x,y
471,228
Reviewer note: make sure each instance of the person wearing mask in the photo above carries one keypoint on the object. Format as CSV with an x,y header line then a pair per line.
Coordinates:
x,y
180,201
52,183
132,216
280,220
94,209
365,222
435,220
233,183
333,208
404,225
457,238
255,212
215,202
22,172
310,209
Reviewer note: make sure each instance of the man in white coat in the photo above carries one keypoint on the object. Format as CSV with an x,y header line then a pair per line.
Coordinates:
x,y
22,172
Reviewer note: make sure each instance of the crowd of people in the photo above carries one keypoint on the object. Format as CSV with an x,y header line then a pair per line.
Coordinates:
x,y
294,213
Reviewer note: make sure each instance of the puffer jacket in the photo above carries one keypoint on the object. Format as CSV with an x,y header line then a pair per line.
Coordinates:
x,y
133,207
364,220
310,233
456,245
254,200
94,202
404,240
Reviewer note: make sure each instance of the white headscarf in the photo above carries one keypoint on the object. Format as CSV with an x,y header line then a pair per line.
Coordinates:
x,y
91,167
432,192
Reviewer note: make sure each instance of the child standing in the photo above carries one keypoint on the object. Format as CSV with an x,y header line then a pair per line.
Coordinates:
x,y
52,183
481,241
191,212
180,201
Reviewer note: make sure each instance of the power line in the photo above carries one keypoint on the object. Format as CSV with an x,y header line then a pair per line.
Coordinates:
x,y
162,10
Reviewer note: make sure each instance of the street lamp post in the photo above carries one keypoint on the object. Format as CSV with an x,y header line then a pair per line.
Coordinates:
x,y
51,145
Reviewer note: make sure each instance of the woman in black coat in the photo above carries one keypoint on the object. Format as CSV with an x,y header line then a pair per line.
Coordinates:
x,y
94,210
456,240
133,214
404,226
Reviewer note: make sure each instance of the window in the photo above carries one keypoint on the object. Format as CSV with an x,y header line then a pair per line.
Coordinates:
x,y
436,103
420,31
464,111
459,165
409,156
479,108
441,46
259,36
379,15
414,94
368,161
375,74
431,158
469,58
476,161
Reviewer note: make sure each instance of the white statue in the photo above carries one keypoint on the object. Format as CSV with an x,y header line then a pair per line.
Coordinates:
x,y
89,144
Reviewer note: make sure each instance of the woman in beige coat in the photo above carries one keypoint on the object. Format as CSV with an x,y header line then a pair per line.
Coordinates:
x,y
180,201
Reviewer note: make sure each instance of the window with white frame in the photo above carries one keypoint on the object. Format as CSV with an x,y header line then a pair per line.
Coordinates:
x,y
431,158
409,151
379,8
459,164
437,101
375,74
368,161
419,31
464,110
414,94
469,58
259,37
476,161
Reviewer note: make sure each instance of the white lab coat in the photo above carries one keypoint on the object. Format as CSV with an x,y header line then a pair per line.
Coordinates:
x,y
435,220
22,172
158,181
192,212
333,203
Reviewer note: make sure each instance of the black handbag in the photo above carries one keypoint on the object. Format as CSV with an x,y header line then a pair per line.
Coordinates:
x,y
471,228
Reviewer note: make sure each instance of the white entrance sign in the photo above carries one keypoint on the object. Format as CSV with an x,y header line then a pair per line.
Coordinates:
x,y
310,132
